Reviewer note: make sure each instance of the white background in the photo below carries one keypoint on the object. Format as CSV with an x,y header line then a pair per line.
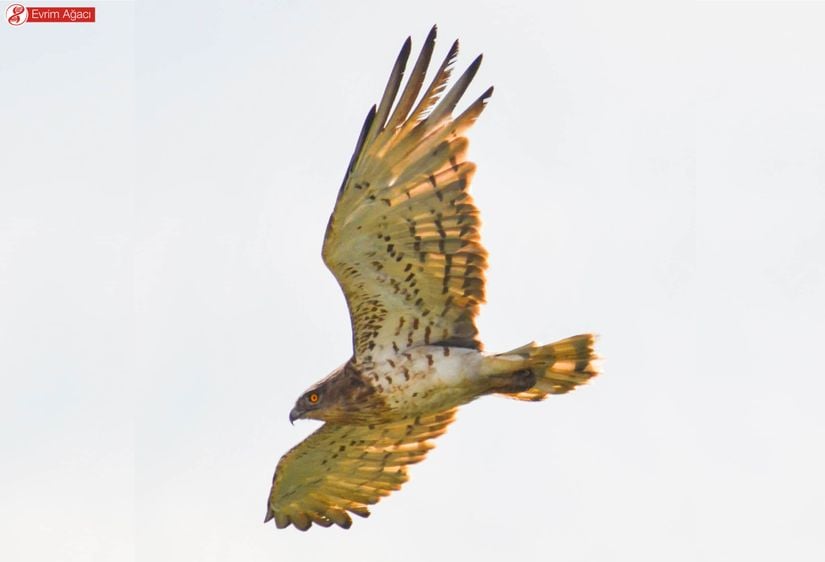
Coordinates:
x,y
652,172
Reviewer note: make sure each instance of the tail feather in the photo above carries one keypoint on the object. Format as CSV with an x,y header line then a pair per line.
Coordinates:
x,y
558,367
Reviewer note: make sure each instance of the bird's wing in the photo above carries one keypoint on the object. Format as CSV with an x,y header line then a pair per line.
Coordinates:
x,y
345,468
403,240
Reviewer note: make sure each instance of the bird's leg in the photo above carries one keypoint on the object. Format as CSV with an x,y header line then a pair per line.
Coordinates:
x,y
511,383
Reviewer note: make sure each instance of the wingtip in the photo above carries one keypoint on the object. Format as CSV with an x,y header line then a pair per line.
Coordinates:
x,y
476,62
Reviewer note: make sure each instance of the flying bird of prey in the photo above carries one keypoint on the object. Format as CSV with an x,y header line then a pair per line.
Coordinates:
x,y
403,243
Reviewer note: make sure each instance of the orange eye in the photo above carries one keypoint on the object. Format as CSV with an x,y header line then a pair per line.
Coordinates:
x,y
313,398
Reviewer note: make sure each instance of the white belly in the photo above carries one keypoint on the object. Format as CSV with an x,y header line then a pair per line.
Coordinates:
x,y
428,379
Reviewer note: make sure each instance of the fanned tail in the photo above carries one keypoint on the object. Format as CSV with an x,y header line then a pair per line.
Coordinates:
x,y
554,368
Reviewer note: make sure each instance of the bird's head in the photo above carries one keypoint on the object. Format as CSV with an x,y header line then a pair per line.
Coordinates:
x,y
322,400
340,396
311,404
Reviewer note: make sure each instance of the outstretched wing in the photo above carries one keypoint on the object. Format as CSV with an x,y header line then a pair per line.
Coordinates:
x,y
345,468
403,240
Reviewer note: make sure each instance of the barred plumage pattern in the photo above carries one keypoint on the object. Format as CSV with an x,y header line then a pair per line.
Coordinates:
x,y
403,240
345,468
559,367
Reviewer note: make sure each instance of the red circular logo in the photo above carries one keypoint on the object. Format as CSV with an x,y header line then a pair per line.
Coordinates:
x,y
16,14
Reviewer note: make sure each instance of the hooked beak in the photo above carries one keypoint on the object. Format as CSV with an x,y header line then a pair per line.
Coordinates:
x,y
294,414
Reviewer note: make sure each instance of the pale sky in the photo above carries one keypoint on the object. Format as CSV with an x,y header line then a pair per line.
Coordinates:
x,y
651,172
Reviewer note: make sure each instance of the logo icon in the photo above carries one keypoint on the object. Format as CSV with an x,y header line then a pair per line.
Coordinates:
x,y
16,14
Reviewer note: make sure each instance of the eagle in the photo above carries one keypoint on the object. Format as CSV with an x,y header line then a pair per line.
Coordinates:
x,y
403,243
